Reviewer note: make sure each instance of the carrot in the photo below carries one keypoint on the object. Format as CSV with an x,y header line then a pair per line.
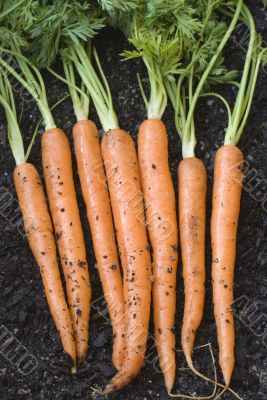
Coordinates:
x,y
225,212
192,187
162,227
123,177
86,143
160,49
127,205
57,165
37,222
192,176
41,239
227,189
96,197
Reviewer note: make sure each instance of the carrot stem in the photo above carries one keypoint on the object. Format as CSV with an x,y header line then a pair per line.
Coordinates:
x,y
13,130
10,9
33,82
97,86
206,73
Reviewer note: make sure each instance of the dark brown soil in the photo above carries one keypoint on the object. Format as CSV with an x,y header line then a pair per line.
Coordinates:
x,y
23,308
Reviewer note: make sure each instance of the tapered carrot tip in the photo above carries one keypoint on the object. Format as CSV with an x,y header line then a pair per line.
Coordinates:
x,y
117,358
82,349
169,380
109,389
227,367
74,369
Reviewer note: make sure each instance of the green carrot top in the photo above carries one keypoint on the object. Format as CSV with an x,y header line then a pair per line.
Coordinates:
x,y
203,66
161,33
41,29
70,37
255,56
13,129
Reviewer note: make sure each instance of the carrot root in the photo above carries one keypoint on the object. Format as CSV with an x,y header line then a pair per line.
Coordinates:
x,y
96,197
123,177
39,230
227,189
161,220
192,188
57,165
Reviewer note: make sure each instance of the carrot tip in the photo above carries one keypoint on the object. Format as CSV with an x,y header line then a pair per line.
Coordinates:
x,y
74,369
98,391
109,389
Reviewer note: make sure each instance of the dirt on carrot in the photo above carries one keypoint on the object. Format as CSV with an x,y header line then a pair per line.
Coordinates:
x,y
57,166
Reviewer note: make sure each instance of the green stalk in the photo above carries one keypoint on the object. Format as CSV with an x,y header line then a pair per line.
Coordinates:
x,y
13,130
250,98
247,85
12,8
79,97
38,125
237,113
33,82
188,145
97,87
158,97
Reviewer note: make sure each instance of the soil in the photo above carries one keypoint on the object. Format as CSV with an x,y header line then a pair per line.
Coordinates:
x,y
23,308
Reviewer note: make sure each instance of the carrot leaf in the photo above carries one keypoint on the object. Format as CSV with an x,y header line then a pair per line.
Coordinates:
x,y
95,83
203,66
13,131
255,56
29,77
114,6
59,24
161,32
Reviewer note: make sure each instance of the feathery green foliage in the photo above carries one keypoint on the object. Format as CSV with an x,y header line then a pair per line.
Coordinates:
x,y
15,19
161,55
114,6
59,24
161,33
204,66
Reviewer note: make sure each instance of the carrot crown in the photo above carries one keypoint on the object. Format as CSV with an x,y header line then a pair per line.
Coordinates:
x,y
13,130
161,33
203,65
32,80
256,55
96,84
68,31
13,41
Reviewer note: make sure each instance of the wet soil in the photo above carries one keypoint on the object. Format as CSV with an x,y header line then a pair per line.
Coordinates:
x,y
23,308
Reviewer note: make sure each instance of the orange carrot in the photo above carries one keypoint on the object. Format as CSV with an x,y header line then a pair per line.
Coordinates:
x,y
192,187
37,221
162,227
40,235
96,197
57,165
228,176
227,189
123,177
